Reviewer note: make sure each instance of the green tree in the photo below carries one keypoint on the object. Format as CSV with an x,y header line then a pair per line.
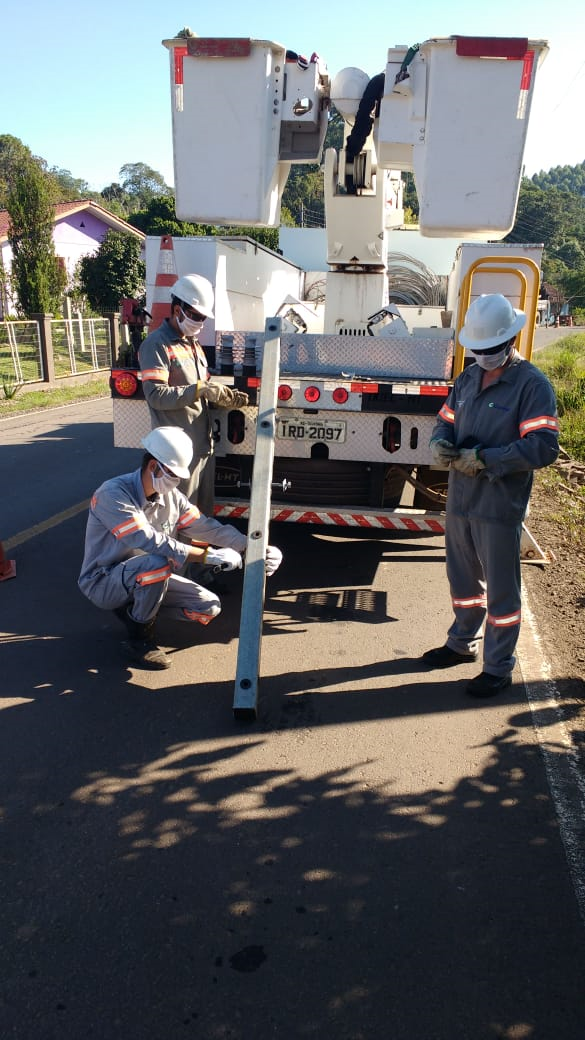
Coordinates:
x,y
72,188
114,272
573,286
303,195
37,277
410,199
555,218
265,236
13,156
159,218
115,199
335,131
141,184
564,178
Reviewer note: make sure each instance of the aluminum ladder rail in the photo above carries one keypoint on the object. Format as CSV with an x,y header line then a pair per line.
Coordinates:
x,y
250,638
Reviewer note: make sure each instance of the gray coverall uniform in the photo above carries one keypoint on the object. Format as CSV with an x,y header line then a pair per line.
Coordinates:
x,y
514,424
171,367
133,551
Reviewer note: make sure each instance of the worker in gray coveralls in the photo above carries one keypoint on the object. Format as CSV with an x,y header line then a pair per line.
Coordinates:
x,y
141,532
177,386
498,424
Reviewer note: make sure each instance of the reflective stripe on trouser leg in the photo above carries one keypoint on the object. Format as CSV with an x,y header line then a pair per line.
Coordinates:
x,y
186,601
502,566
139,582
498,554
467,584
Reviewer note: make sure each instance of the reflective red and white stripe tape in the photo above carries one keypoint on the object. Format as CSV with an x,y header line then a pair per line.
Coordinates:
x,y
432,525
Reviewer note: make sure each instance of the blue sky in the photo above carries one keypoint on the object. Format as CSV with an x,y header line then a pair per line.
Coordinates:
x,y
87,86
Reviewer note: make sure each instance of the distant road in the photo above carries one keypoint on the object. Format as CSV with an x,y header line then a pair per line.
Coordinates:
x,y
543,337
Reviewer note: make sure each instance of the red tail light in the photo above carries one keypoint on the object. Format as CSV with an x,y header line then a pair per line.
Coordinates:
x,y
125,383
284,392
312,394
340,395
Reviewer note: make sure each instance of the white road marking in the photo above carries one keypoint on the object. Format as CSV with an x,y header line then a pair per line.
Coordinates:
x,y
563,767
45,525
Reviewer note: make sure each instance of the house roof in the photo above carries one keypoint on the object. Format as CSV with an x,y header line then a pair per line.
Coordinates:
x,y
67,209
548,292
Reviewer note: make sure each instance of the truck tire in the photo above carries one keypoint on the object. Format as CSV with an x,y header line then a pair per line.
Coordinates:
x,y
435,480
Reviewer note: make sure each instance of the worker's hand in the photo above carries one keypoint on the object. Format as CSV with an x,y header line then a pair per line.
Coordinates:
x,y
223,559
468,462
273,559
222,396
443,452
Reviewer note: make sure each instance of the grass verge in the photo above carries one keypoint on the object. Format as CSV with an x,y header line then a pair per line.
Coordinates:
x,y
564,364
564,483
37,400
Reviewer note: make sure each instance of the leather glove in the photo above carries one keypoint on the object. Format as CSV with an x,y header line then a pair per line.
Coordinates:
x,y
468,462
223,559
273,559
443,452
222,396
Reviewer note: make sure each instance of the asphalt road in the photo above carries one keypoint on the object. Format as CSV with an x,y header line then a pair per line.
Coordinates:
x,y
376,858
545,337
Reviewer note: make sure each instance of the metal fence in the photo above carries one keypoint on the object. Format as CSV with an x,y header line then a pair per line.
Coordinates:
x,y
20,352
76,346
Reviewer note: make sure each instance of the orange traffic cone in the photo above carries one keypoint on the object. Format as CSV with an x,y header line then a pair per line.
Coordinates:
x,y
7,567
166,276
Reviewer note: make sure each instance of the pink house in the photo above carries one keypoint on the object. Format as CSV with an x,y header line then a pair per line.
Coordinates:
x,y
79,230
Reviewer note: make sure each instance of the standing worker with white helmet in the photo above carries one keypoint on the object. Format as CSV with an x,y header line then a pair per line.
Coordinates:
x,y
176,382
498,424
141,531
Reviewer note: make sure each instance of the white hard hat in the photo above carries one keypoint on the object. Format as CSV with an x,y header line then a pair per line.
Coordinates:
x,y
490,320
171,446
196,291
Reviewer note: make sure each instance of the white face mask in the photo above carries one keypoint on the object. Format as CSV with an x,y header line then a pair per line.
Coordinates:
x,y
165,482
189,327
491,361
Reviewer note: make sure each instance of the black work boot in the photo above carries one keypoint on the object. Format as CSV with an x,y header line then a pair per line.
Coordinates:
x,y
140,642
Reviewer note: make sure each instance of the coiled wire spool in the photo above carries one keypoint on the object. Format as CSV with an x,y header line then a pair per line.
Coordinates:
x,y
413,283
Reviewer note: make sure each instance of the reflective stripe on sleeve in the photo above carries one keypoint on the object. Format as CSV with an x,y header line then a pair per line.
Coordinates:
x,y
155,375
447,414
539,422
130,526
189,517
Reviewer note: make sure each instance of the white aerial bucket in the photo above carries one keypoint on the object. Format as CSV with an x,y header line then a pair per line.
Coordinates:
x,y
457,116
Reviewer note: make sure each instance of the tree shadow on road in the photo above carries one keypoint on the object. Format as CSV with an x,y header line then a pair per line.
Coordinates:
x,y
166,873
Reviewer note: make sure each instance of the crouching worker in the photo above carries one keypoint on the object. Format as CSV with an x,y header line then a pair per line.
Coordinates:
x,y
141,532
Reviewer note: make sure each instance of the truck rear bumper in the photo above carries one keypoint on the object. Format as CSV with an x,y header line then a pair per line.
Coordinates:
x,y
416,520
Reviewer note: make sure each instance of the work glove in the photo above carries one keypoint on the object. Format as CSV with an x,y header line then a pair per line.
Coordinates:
x,y
468,462
222,559
222,396
443,452
273,559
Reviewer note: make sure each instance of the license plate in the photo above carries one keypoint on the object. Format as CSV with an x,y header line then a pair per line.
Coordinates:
x,y
310,430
